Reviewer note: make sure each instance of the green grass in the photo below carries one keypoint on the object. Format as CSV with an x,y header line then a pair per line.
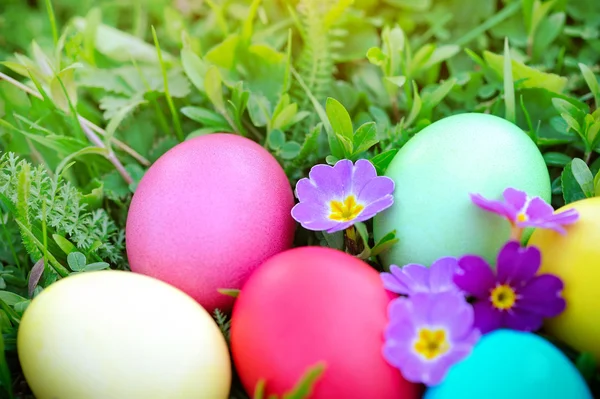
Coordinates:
x,y
85,91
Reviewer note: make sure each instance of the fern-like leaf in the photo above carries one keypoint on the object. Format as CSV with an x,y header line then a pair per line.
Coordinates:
x,y
316,63
25,191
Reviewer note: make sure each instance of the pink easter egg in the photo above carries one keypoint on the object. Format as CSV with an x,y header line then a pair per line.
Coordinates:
x,y
207,213
309,306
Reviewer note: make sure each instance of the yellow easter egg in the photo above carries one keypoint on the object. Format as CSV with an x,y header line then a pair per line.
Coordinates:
x,y
121,335
575,258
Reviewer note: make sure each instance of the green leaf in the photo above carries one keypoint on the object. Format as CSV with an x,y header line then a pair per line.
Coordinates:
x,y
583,176
432,99
587,365
592,82
5,379
10,298
420,58
571,189
76,261
67,78
597,184
290,150
283,119
397,80
214,90
374,55
204,116
531,77
96,266
195,69
276,139
303,389
259,110
556,159
385,243
365,137
310,144
416,107
65,245
441,54
232,292
339,118
381,161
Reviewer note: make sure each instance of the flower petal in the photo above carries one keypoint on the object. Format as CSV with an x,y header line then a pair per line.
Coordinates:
x,y
515,198
542,296
517,264
452,311
340,226
474,276
343,173
520,320
406,280
308,192
565,217
543,225
538,209
441,274
486,317
325,179
375,189
374,208
363,172
494,206
312,217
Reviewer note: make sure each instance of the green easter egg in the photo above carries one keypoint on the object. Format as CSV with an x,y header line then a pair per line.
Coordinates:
x,y
434,173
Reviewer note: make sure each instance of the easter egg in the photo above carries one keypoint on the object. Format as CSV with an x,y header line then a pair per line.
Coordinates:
x,y
434,173
575,258
312,306
116,334
207,213
512,364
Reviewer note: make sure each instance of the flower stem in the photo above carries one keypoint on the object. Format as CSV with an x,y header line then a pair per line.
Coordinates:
x,y
351,241
516,233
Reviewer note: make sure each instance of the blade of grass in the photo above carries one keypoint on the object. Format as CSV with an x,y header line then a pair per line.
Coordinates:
x,y
509,86
505,13
93,127
162,119
52,19
174,115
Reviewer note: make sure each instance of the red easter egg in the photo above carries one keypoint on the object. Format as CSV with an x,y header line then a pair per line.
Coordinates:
x,y
309,305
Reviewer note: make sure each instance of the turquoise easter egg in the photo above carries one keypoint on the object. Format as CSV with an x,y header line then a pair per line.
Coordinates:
x,y
508,364
435,171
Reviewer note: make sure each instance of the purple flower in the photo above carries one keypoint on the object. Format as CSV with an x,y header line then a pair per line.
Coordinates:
x,y
513,297
427,334
524,211
333,198
414,278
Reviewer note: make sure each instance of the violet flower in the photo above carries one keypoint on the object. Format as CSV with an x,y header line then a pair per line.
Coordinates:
x,y
427,334
414,278
524,211
514,297
333,198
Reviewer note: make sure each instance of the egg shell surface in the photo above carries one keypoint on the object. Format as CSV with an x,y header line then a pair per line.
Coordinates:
x,y
309,305
434,173
207,213
115,335
575,258
512,364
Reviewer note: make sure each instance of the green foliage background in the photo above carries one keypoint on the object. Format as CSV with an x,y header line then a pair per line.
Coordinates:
x,y
92,92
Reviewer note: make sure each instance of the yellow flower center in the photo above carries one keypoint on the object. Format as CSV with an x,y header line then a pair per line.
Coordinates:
x,y
521,217
503,297
345,211
431,343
